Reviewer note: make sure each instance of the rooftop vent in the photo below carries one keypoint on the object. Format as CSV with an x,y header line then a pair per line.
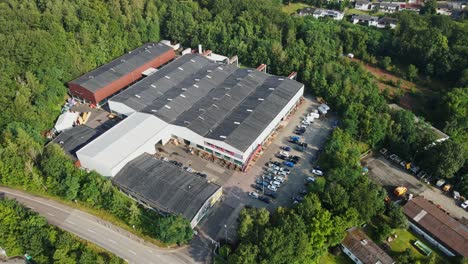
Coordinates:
x,y
364,242
200,117
222,137
90,76
249,70
237,123
201,110
220,68
122,60
215,105
192,60
186,122
154,86
280,79
271,89
169,99
228,95
238,79
250,75
208,70
227,88
209,77
196,86
197,80
154,110
167,77
112,69
168,107
249,110
261,99
183,96
184,89
137,96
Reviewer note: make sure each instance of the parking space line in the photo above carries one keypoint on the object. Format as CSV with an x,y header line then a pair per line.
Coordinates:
x,y
50,214
92,231
131,251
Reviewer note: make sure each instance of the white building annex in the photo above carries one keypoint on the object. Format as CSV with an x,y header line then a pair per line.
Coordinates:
x,y
219,108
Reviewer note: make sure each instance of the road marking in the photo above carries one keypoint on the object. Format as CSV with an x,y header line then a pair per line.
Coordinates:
x,y
131,251
50,214
68,221
25,197
92,231
112,241
149,251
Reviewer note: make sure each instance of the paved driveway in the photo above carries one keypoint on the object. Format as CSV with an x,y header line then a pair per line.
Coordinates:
x,y
390,176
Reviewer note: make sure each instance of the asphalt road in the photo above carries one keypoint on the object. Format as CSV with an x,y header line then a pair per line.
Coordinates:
x,y
102,233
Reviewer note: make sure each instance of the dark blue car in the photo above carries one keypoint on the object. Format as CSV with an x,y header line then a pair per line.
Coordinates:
x,y
288,163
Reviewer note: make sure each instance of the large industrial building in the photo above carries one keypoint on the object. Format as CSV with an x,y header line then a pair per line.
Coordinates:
x,y
219,108
99,84
167,188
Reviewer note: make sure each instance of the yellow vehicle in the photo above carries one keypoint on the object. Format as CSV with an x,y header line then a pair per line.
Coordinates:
x,y
400,191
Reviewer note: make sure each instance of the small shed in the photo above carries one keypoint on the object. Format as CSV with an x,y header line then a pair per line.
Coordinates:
x,y
66,120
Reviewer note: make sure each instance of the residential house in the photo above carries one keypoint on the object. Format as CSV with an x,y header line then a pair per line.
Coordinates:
x,y
388,7
362,250
362,5
365,20
387,22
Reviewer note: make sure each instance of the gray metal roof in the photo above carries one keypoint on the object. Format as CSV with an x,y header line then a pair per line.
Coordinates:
x,y
123,65
74,139
365,17
217,101
165,186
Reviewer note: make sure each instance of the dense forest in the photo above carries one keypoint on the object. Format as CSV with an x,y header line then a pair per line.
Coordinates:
x,y
24,232
46,43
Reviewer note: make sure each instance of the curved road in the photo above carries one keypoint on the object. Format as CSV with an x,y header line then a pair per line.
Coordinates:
x,y
104,234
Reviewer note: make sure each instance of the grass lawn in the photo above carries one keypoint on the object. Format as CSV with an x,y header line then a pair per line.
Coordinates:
x,y
293,7
331,259
351,11
406,239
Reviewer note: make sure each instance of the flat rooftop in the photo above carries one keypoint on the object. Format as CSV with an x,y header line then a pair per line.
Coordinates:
x,y
123,65
217,101
73,139
438,224
164,186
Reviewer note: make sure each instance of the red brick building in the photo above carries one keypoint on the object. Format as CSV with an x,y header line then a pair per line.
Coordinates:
x,y
99,84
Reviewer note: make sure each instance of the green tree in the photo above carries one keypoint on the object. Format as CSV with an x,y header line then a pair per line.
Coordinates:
x,y
397,217
444,159
385,62
429,7
412,72
383,231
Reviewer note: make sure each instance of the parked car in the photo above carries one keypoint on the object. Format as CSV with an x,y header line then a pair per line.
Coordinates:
x,y
257,187
253,195
288,163
302,144
286,148
283,173
299,198
317,172
271,194
279,179
272,188
275,183
277,163
403,164
264,199
421,174
310,179
279,156
284,153
297,132
290,159
464,205
383,151
261,182
296,158
397,160
392,157
267,177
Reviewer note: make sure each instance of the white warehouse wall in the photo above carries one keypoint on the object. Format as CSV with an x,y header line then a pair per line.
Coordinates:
x,y
119,108
273,124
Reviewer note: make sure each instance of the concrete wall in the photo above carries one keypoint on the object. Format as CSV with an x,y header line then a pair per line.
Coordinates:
x,y
205,207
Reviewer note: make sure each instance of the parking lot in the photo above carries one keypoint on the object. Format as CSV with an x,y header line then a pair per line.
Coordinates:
x,y
222,220
389,175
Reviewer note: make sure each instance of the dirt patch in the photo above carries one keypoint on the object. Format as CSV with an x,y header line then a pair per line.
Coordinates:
x,y
397,86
